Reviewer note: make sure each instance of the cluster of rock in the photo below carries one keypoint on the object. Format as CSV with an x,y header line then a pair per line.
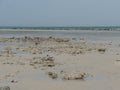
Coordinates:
x,y
39,45
33,39
68,75
46,61
73,76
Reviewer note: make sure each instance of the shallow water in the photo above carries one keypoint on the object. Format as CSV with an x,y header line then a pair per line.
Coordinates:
x,y
89,35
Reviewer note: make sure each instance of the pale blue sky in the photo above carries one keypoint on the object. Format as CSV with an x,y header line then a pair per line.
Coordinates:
x,y
59,12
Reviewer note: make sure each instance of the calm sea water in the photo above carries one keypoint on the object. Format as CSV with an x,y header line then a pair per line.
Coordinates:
x,y
88,35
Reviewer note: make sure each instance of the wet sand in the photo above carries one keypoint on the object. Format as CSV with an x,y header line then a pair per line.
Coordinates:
x,y
35,63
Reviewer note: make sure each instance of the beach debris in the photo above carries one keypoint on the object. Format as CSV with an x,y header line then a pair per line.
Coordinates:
x,y
102,50
5,88
53,75
73,76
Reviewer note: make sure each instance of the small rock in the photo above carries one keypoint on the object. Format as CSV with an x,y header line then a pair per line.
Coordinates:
x,y
102,50
14,81
53,75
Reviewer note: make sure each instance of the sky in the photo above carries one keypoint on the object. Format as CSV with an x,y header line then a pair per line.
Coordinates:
x,y
59,13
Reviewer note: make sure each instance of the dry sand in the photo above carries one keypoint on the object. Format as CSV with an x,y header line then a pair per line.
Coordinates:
x,y
37,63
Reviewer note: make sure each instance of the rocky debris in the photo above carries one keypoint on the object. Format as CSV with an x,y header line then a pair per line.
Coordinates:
x,y
52,75
46,61
73,76
101,50
5,88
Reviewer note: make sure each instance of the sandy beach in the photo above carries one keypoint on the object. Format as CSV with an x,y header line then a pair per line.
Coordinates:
x,y
59,45
50,63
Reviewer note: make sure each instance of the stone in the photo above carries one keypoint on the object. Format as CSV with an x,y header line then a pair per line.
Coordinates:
x,y
53,75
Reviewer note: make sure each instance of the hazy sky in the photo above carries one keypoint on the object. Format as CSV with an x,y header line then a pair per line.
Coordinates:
x,y
59,12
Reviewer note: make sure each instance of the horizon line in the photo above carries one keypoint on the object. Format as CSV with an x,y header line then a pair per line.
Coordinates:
x,y
101,26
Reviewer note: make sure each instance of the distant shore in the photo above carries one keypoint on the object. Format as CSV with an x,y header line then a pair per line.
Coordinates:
x,y
107,28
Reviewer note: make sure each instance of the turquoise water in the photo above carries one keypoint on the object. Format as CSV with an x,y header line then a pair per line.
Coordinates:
x,y
88,35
